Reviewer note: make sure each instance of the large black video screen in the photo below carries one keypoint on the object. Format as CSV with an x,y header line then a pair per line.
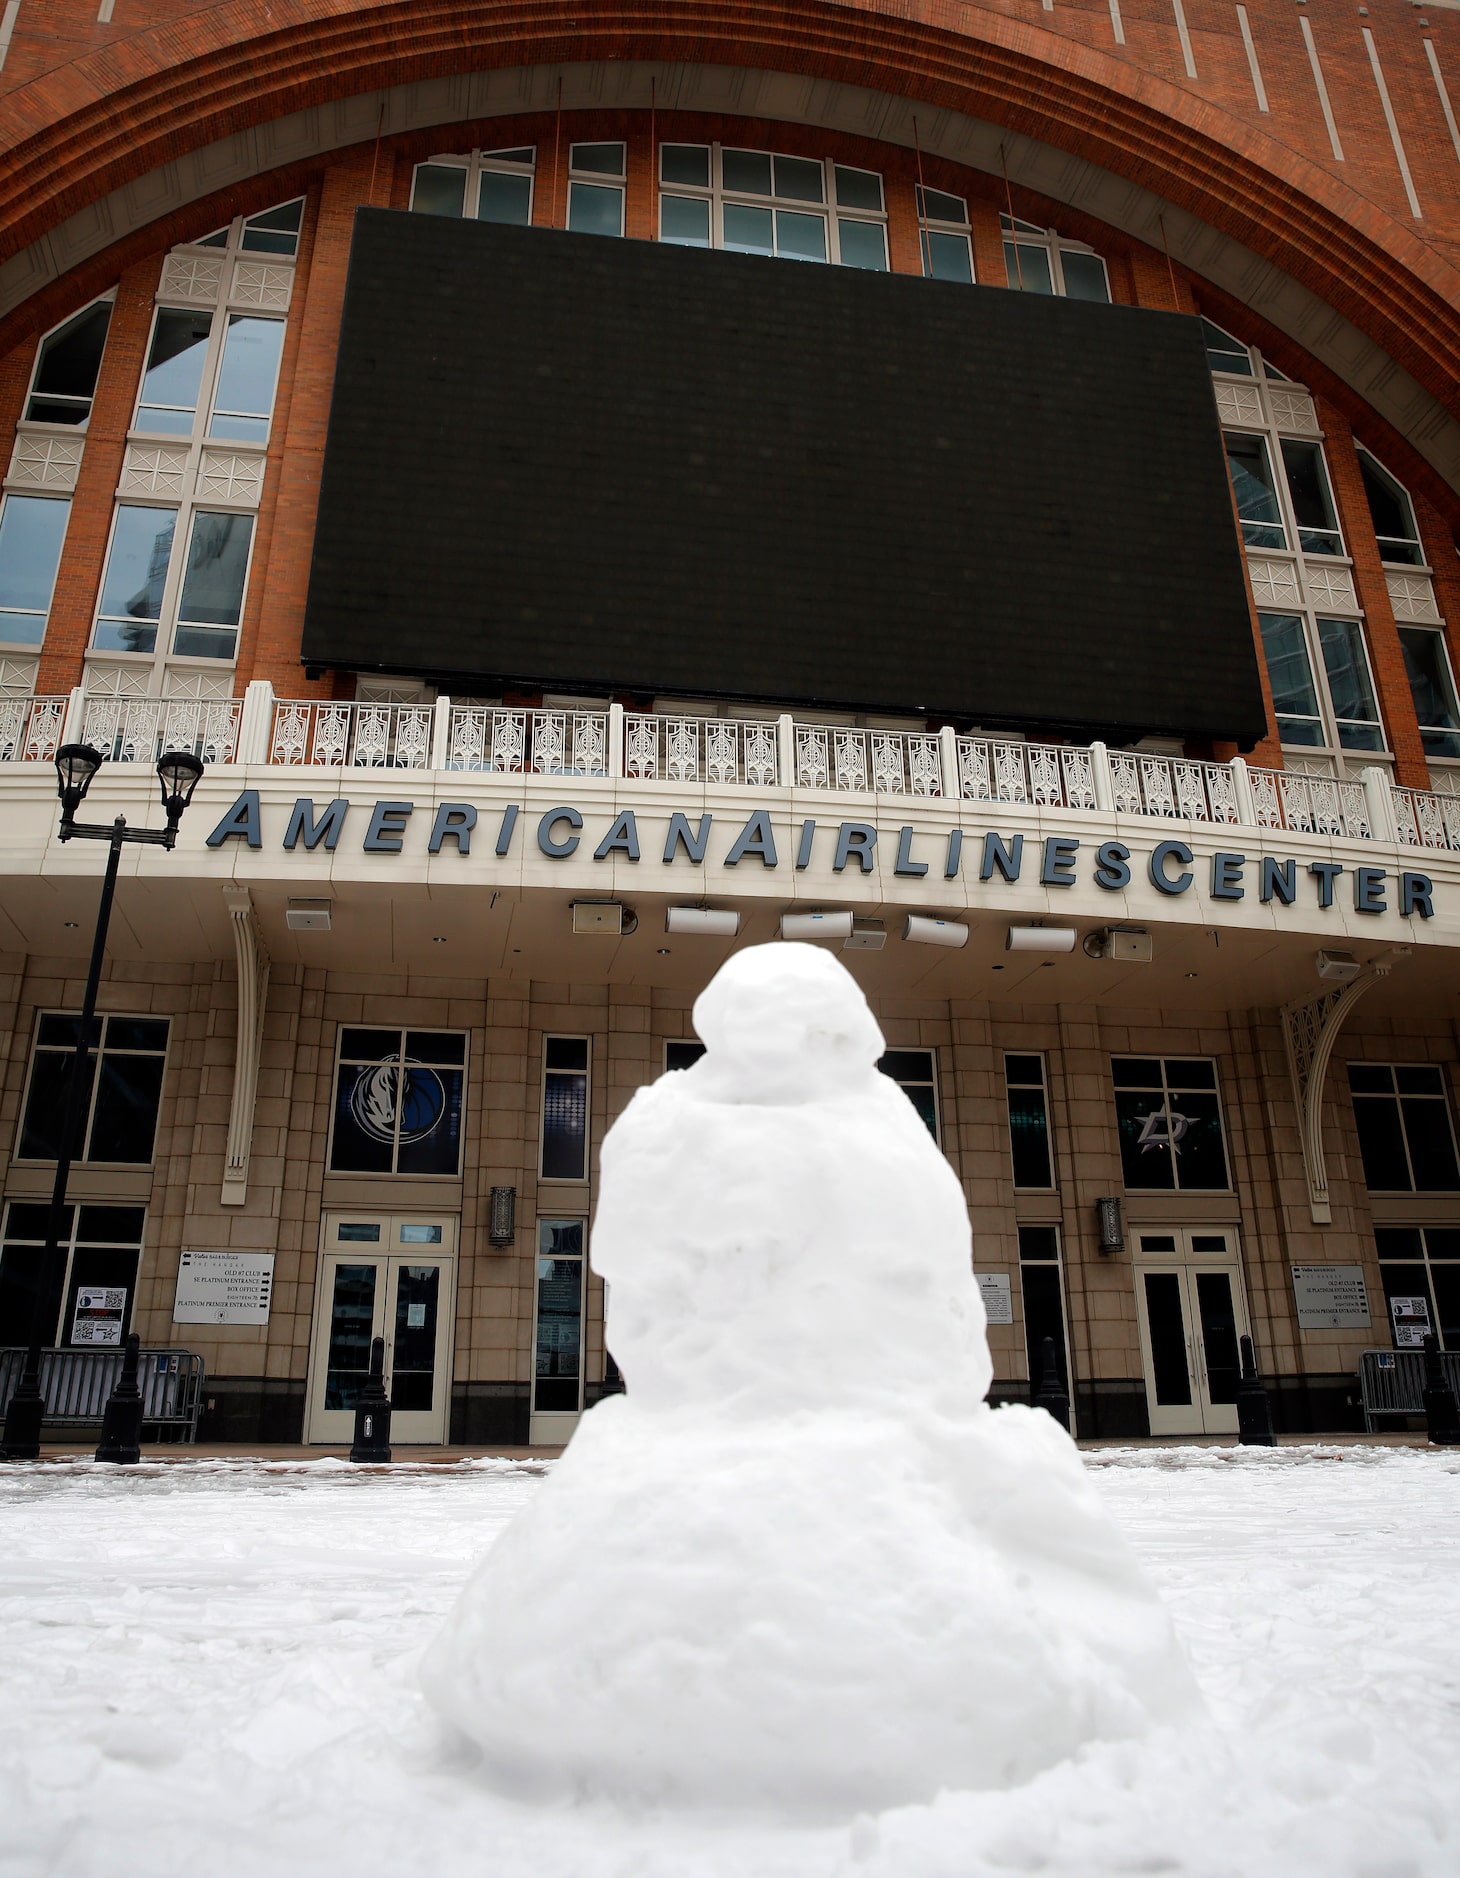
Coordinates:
x,y
571,463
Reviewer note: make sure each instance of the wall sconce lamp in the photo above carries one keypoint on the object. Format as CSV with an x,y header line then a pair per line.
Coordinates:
x,y
1112,1233
502,1226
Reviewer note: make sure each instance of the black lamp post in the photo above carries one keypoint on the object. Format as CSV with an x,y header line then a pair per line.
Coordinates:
x,y
76,764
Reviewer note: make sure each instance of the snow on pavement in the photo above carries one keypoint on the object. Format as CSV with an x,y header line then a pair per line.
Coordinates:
x,y
211,1666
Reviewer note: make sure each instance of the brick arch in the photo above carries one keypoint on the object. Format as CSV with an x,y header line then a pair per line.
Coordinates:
x,y
101,121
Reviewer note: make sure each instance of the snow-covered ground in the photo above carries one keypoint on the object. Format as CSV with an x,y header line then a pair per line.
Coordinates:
x,y
210,1667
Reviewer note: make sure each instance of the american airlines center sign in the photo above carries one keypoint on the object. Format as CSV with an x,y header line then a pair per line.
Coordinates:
x,y
560,833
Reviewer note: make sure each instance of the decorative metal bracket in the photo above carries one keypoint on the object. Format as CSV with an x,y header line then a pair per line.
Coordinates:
x,y
253,992
1310,1030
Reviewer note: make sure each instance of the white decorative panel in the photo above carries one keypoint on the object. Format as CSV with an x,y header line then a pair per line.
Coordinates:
x,y
1239,404
1293,410
225,477
45,462
1413,597
1330,588
209,685
259,283
117,681
17,677
1274,583
195,278
154,470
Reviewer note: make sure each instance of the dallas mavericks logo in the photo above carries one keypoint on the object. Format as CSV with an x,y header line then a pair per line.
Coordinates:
x,y
421,1096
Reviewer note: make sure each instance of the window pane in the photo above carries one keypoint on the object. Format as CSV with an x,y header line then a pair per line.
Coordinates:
x,y
1025,1069
685,220
1431,1148
598,159
32,529
1407,1287
1391,514
1084,276
430,1122
275,231
1201,1156
136,571
594,210
212,589
947,257
1294,697
66,371
858,189
20,1269
127,1097
1312,503
800,180
685,163
566,1052
505,199
1038,1242
435,1046
1043,1317
352,1322
59,1032
1381,1143
1371,1078
684,1054
862,245
1029,1138
1189,1073
413,1353
748,231
1419,1079
564,1125
1252,484
364,1129
100,1298
1027,267
800,237
1145,1152
559,1333
1349,685
907,1065
45,1109
1166,1321
244,400
370,1046
748,172
1224,353
136,1033
1445,1280
174,372
1218,1334
1432,689
440,189
934,206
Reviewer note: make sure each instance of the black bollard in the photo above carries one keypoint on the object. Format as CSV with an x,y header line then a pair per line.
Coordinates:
x,y
1442,1413
372,1412
121,1424
1254,1406
1051,1397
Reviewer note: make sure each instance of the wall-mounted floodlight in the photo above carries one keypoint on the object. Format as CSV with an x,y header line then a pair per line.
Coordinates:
x,y
709,922
1040,939
816,925
1339,968
308,915
603,916
867,935
934,932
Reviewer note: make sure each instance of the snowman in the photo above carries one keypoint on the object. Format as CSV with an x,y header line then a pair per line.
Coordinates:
x,y
801,1568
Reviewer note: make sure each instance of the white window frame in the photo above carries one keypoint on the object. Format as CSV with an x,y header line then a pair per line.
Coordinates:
x,y
1331,748
475,162
25,646
1009,1084
1058,1262
402,1030
671,1043
598,179
169,620
1422,565
94,1056
1442,1096
48,427
1015,233
929,1051
68,1247
940,225
717,195
566,1180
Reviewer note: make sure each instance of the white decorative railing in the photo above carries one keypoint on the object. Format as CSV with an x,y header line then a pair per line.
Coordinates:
x,y
1044,774
1173,787
700,749
1311,805
542,743
672,748
30,728
351,736
891,762
1427,821
139,730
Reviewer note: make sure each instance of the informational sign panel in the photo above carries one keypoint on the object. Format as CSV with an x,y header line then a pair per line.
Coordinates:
x,y
223,1288
998,1302
1411,1322
1331,1297
101,1310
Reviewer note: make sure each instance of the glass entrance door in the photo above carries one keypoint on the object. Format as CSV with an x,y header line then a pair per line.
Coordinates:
x,y
557,1331
1192,1311
391,1276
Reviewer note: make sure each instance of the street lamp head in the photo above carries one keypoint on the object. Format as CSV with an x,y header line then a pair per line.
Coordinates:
x,y
76,764
178,772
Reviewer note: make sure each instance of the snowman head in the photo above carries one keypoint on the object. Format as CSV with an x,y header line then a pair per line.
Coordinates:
x,y
784,1024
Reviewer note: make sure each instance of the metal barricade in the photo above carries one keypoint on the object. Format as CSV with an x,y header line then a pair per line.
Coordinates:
x,y
1392,1382
76,1384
